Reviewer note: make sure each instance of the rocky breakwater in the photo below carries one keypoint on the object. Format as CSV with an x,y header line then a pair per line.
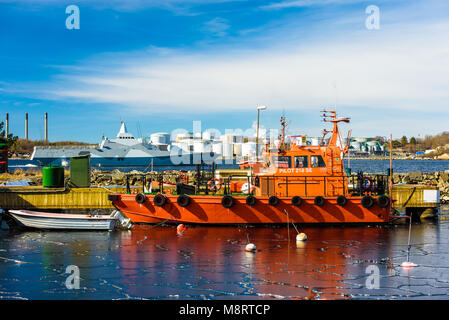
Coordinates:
x,y
439,179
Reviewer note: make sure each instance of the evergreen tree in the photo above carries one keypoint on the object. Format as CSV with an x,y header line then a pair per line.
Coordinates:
x,y
10,138
403,141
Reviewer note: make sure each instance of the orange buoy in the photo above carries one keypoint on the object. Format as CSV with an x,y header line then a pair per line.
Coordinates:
x,y
180,229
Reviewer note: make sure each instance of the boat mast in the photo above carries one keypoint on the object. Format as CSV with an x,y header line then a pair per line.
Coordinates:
x,y
282,143
331,116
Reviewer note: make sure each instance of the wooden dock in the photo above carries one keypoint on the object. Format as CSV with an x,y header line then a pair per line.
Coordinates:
x,y
38,198
415,196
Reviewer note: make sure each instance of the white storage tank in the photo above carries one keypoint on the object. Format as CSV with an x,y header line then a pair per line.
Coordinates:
x,y
160,138
217,147
208,135
226,138
184,145
197,135
248,149
227,150
198,146
315,141
237,149
357,146
232,138
237,138
184,136
207,146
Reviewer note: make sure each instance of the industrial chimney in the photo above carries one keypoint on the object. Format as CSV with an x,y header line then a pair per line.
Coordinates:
x,y
26,126
7,125
46,127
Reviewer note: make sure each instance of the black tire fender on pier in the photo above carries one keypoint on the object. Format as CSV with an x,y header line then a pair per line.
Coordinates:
x,y
113,197
159,200
273,201
227,201
183,200
251,201
319,201
342,201
296,201
140,198
383,201
367,202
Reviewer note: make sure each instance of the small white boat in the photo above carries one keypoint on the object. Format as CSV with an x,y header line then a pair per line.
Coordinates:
x,y
47,220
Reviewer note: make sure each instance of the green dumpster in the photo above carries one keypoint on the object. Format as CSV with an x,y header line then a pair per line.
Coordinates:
x,y
80,171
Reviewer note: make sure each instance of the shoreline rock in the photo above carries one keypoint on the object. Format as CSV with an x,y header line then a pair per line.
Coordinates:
x,y
438,178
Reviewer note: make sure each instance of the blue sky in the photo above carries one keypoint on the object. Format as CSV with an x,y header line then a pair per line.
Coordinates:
x,y
159,65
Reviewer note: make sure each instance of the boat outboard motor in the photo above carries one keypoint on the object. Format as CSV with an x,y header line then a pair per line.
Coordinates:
x,y
123,220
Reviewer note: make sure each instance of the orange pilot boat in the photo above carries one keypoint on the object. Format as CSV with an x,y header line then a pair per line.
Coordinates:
x,y
292,183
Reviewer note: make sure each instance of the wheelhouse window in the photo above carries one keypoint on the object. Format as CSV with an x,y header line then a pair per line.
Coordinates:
x,y
317,161
282,161
301,162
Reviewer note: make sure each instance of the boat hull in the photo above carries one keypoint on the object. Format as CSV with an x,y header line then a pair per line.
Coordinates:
x,y
42,220
209,210
138,162
110,162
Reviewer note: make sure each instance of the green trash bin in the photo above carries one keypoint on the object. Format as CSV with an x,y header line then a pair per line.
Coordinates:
x,y
53,177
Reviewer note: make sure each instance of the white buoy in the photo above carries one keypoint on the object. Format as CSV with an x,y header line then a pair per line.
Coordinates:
x,y
408,264
250,247
64,163
301,237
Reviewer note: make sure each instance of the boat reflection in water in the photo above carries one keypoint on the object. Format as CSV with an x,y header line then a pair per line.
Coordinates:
x,y
211,263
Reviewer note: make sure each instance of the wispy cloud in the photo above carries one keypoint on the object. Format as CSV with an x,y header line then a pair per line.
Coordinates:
x,y
176,6
366,72
305,3
217,27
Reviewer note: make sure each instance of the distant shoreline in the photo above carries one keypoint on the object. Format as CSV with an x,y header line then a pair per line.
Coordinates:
x,y
388,158
345,158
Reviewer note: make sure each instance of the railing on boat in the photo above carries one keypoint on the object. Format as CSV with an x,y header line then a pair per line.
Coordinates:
x,y
331,185
355,184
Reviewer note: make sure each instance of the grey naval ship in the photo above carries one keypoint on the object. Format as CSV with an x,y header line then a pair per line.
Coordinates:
x,y
123,151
